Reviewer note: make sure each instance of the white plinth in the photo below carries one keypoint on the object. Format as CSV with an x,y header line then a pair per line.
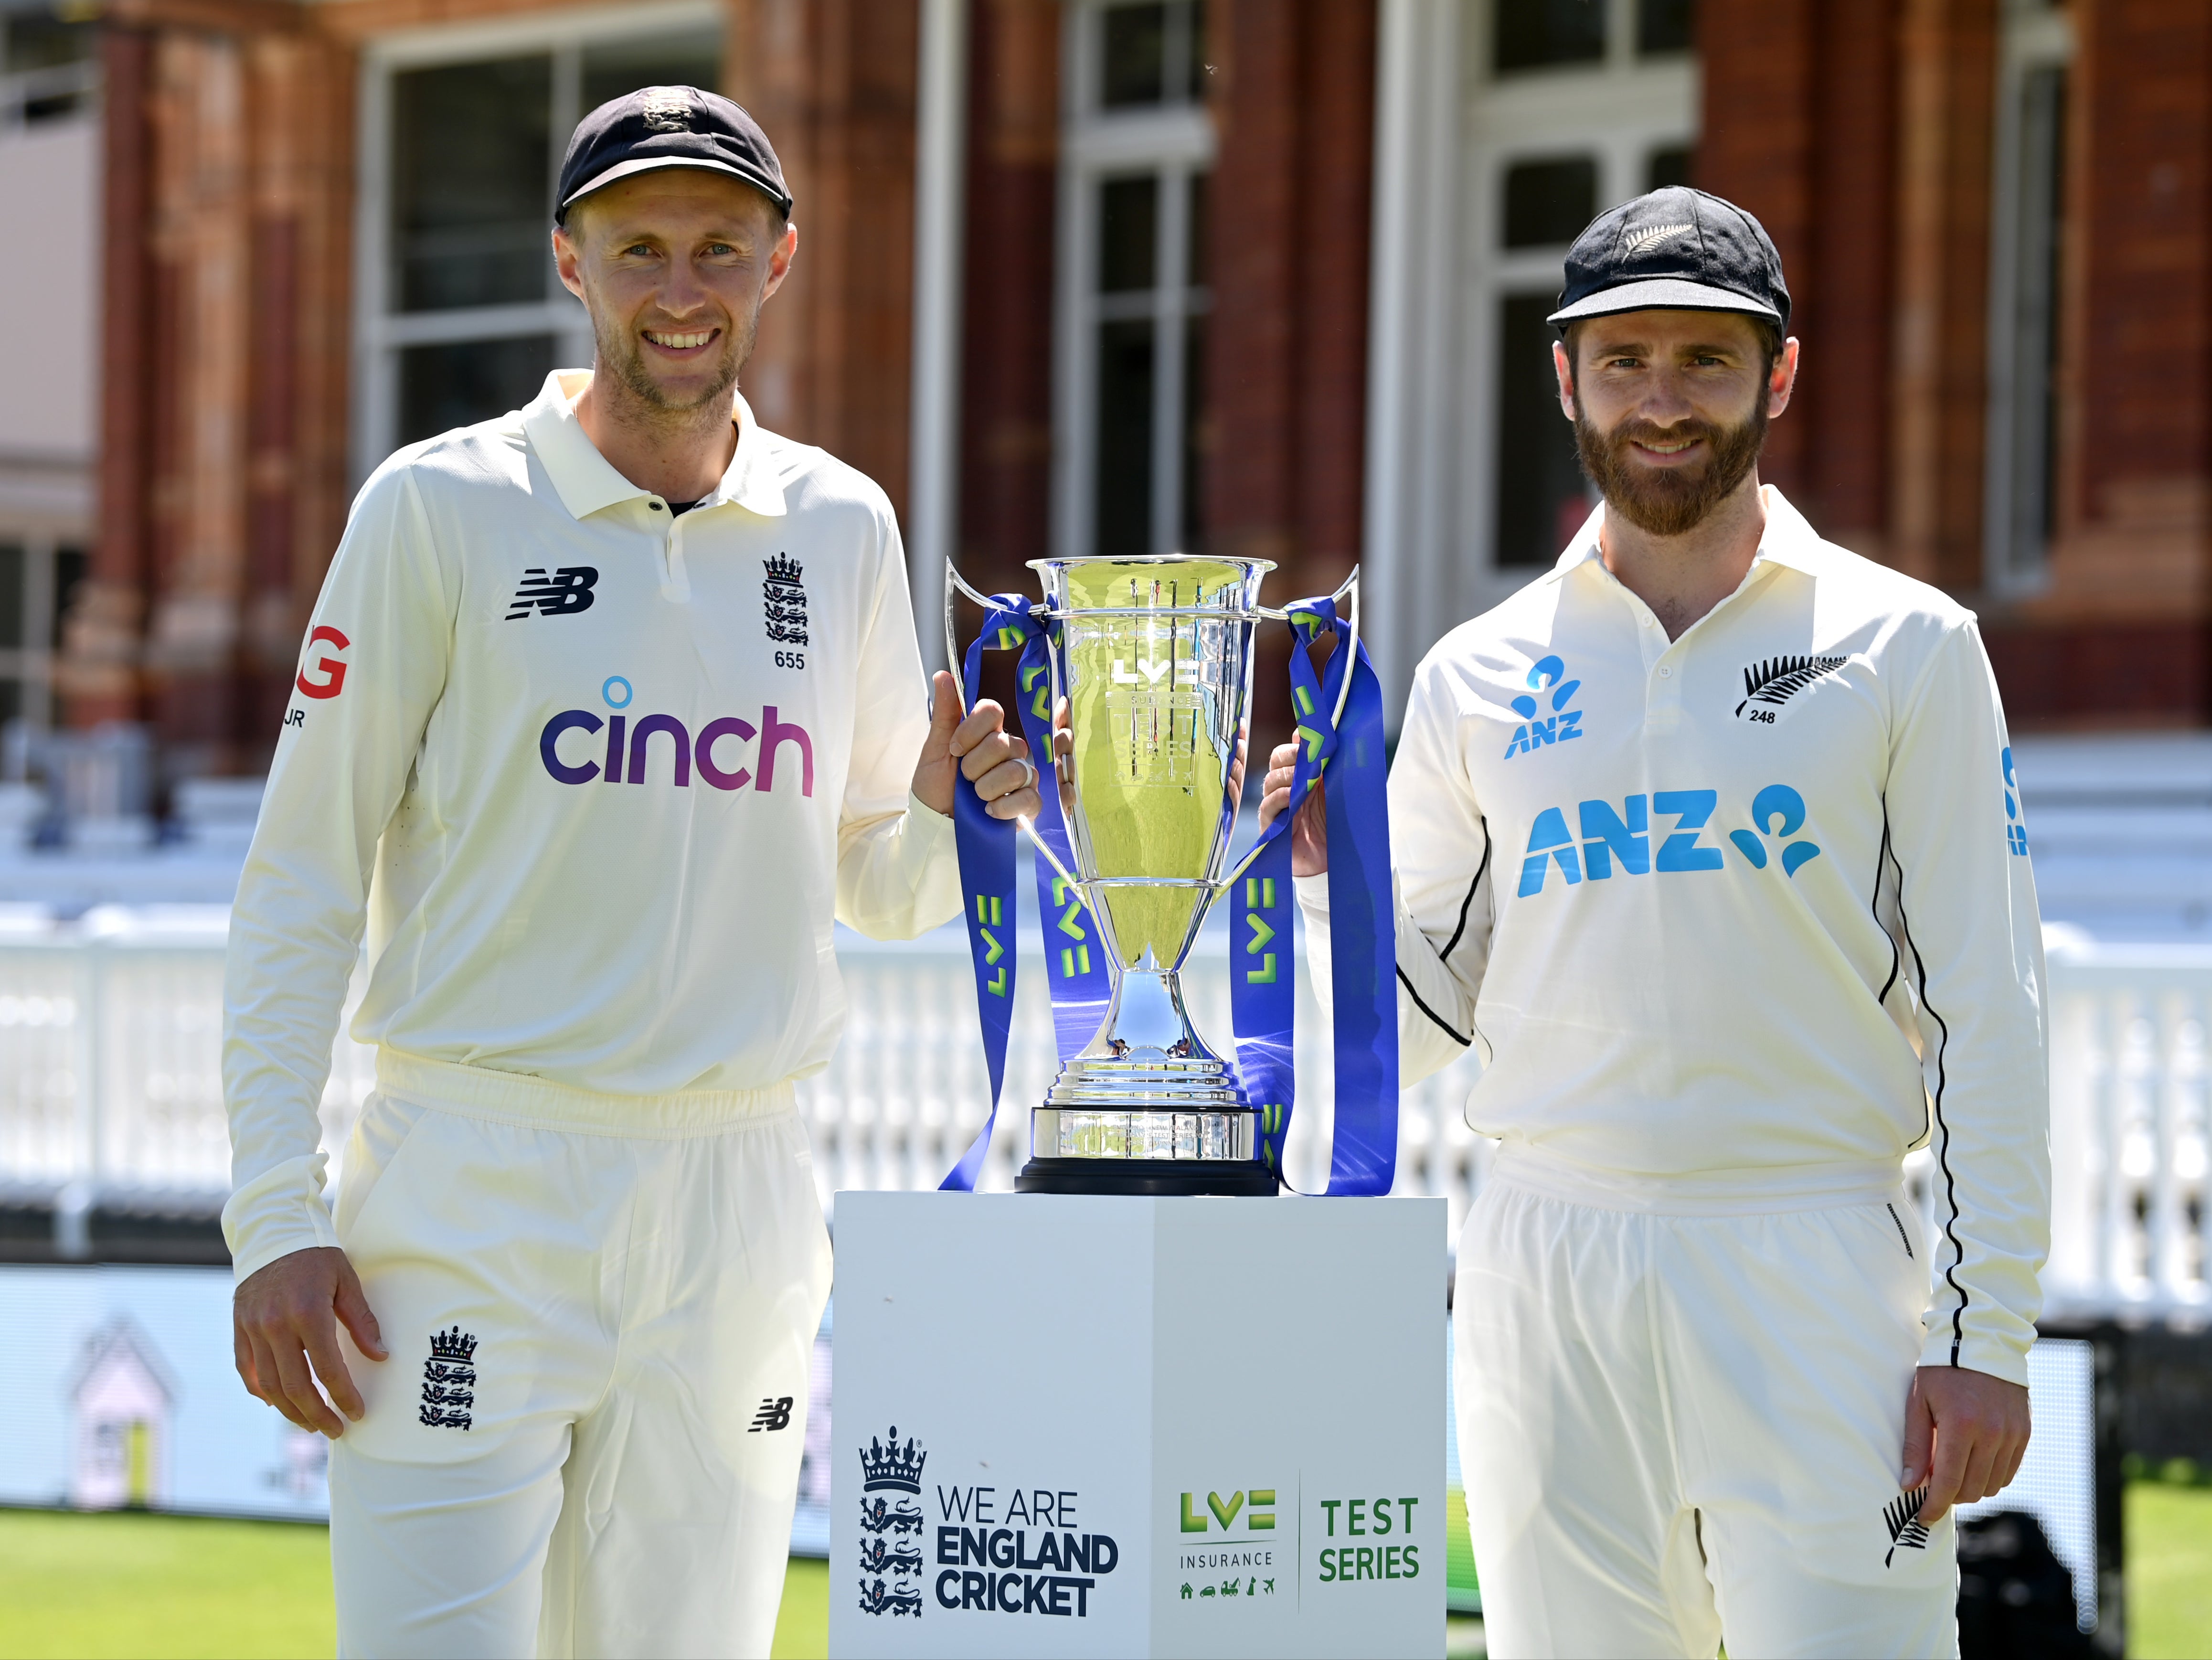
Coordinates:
x,y
1144,1426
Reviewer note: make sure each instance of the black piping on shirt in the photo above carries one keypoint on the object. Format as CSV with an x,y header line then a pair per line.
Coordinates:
x,y
1481,871
1441,1024
1935,1109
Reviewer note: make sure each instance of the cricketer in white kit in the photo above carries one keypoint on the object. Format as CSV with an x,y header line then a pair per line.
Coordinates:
x,y
1708,841
608,708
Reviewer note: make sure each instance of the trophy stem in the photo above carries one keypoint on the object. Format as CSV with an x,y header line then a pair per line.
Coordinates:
x,y
1146,1108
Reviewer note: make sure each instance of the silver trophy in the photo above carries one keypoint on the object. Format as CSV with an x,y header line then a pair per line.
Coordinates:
x,y
1153,658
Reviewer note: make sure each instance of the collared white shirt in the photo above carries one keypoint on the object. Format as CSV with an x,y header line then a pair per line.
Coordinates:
x,y
595,776
1739,919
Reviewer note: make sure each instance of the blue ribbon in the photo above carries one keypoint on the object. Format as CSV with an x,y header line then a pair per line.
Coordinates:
x,y
1364,978
1263,999
1074,955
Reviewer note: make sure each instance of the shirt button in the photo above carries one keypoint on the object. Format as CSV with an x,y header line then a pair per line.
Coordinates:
x,y
655,506
1650,622
1666,673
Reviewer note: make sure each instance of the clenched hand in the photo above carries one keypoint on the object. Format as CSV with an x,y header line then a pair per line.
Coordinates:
x,y
284,1327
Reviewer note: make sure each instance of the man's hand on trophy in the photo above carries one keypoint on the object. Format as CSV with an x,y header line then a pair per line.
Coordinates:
x,y
1310,831
991,758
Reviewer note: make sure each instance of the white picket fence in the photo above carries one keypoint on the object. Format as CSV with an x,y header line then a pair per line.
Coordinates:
x,y
111,1092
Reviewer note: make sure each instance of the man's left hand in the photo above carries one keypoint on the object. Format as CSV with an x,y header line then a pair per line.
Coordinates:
x,y
991,758
1965,1435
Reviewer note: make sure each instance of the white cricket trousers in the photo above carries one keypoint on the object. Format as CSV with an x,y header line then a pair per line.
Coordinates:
x,y
600,1313
1681,1429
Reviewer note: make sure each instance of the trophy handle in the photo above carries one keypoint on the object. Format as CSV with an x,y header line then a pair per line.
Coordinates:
x,y
1350,586
954,584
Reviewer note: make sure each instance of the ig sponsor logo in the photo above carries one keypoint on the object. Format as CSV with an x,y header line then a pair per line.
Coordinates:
x,y
330,670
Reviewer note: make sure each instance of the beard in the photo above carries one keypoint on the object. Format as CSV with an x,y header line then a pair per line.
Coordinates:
x,y
1671,500
621,360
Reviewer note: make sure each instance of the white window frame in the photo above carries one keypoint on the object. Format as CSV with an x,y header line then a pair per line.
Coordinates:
x,y
1174,141
2033,34
1619,110
380,335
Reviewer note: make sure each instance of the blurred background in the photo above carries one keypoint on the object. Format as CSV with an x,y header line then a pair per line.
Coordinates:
x,y
1259,277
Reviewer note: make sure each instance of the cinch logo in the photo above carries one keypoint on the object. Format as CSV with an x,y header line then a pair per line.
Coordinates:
x,y
1553,729
632,745
2015,832
333,672
1259,1517
1778,811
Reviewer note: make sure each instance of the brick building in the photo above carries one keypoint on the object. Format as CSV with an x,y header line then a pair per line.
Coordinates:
x,y
1258,276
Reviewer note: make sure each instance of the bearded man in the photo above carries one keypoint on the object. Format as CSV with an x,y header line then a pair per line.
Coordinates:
x,y
609,707
1708,841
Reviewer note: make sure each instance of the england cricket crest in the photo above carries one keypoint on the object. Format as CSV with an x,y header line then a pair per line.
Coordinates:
x,y
783,599
890,1526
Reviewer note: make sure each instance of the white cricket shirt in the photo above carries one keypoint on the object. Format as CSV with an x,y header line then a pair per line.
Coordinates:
x,y
1736,920
596,776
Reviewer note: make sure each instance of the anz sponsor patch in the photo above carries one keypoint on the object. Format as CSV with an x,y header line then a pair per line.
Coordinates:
x,y
1540,726
1622,836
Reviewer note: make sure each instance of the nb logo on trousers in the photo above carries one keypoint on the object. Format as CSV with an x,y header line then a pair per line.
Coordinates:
x,y
774,1413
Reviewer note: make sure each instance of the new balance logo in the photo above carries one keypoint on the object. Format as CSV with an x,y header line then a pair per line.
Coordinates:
x,y
774,1413
1652,236
566,591
1901,1516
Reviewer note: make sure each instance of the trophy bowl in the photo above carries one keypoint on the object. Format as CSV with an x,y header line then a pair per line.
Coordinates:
x,y
1153,658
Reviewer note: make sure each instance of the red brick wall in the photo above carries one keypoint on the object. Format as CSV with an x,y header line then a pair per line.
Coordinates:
x,y
1286,347
1006,354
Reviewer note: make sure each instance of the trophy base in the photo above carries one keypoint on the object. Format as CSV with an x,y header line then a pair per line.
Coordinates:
x,y
1235,1178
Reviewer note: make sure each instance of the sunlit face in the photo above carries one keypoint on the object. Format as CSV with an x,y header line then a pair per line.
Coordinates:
x,y
1670,410
673,265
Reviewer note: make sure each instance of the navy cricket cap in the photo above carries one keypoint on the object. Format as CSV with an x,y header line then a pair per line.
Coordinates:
x,y
1676,249
667,127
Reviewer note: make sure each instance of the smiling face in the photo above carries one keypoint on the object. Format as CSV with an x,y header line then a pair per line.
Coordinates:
x,y
673,265
1670,410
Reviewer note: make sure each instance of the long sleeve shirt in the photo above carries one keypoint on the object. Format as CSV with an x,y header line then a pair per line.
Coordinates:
x,y
595,777
1735,921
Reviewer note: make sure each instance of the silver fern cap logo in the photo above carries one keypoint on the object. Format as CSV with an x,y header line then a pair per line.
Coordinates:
x,y
1778,679
1652,235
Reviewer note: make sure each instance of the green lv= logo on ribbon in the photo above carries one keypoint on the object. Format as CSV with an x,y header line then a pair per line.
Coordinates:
x,y
1260,895
987,918
1074,959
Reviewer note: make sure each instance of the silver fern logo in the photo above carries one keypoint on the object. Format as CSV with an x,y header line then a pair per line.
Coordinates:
x,y
1776,681
1652,236
1901,1516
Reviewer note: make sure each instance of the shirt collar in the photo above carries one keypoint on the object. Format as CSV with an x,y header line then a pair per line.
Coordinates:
x,y
588,481
1788,539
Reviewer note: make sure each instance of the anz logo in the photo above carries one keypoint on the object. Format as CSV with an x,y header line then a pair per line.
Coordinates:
x,y
1537,729
1608,836
2015,832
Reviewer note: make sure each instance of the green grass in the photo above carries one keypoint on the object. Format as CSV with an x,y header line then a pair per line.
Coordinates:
x,y
131,1586
128,1585
161,1585
2169,1571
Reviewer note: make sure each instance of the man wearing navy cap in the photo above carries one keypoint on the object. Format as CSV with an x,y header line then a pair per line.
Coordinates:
x,y
609,707
1708,840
